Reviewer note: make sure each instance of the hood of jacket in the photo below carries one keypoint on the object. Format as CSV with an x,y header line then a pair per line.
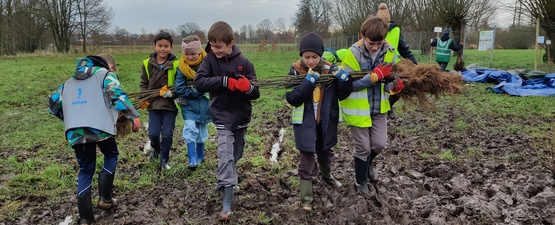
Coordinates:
x,y
444,37
86,67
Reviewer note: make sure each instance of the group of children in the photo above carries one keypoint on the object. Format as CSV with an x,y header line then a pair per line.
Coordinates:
x,y
225,74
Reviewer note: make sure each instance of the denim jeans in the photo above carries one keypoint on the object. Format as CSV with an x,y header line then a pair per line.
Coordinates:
x,y
161,121
195,132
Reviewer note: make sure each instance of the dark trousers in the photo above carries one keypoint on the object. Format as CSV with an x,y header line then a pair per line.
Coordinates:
x,y
443,65
161,121
86,157
308,167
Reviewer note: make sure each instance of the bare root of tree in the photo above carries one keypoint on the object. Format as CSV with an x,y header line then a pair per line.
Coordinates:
x,y
423,81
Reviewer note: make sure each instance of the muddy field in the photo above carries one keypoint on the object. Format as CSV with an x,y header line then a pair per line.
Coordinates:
x,y
504,181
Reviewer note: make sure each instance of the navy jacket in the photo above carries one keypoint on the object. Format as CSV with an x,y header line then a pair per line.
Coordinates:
x,y
230,110
305,133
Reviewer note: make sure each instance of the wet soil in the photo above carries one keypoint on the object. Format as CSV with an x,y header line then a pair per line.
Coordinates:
x,y
498,176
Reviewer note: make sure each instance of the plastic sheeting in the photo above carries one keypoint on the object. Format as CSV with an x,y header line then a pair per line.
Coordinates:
x,y
513,82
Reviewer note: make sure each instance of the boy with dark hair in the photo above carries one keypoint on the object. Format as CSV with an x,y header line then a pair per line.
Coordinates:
x,y
88,104
225,73
158,73
365,110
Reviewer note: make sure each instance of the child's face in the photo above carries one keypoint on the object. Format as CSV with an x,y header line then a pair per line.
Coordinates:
x,y
191,57
373,46
220,49
310,59
162,48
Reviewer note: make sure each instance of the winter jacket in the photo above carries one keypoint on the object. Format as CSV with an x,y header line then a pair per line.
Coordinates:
x,y
302,95
402,47
158,78
445,37
230,110
194,104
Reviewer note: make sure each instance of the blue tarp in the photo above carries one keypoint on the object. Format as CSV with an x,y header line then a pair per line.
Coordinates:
x,y
512,84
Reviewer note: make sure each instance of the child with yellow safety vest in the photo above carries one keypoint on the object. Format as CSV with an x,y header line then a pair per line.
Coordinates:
x,y
158,73
316,114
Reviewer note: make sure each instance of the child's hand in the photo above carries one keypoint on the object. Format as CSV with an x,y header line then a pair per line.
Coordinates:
x,y
136,124
165,92
312,76
243,84
397,86
230,83
342,75
380,72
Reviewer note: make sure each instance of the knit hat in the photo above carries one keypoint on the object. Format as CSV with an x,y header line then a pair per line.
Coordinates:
x,y
191,47
311,42
383,12
446,31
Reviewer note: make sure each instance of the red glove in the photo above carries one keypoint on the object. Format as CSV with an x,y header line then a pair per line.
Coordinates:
x,y
231,84
380,72
397,86
243,84
136,124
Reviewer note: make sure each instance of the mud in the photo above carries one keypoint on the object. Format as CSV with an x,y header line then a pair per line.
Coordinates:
x,y
499,176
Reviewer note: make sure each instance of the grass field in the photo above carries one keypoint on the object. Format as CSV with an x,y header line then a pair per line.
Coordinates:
x,y
38,167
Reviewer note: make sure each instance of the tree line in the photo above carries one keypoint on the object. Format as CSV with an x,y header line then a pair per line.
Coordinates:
x,y
27,25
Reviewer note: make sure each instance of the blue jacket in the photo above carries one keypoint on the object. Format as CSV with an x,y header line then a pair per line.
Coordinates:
x,y
194,104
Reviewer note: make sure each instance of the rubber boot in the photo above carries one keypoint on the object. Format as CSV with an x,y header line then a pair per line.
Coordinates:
x,y
361,170
105,187
155,153
192,156
226,212
200,153
306,195
328,178
84,205
372,171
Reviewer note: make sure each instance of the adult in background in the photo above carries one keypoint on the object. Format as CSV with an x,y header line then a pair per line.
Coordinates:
x,y
444,45
88,104
396,40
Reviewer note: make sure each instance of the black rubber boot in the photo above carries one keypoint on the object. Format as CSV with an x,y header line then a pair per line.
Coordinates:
x,y
328,178
361,169
105,187
84,205
226,212
306,195
372,171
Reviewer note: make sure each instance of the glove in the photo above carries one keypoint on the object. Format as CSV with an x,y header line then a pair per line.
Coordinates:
x,y
144,104
312,76
231,83
243,84
380,72
342,75
397,86
165,92
136,124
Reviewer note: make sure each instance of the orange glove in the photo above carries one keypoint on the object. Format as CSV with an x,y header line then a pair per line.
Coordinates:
x,y
165,92
144,104
380,72
397,86
136,124
243,84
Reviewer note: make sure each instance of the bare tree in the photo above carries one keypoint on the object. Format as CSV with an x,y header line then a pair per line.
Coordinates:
x,y
92,15
243,33
350,14
544,10
281,24
251,31
264,28
187,29
313,16
59,15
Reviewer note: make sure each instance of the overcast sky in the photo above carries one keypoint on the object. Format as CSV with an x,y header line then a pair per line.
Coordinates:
x,y
153,15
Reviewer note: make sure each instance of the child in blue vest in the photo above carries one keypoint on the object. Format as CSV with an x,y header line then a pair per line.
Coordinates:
x,y
316,115
158,73
194,104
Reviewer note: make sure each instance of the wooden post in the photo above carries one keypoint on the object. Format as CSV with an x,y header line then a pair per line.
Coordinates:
x,y
536,46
